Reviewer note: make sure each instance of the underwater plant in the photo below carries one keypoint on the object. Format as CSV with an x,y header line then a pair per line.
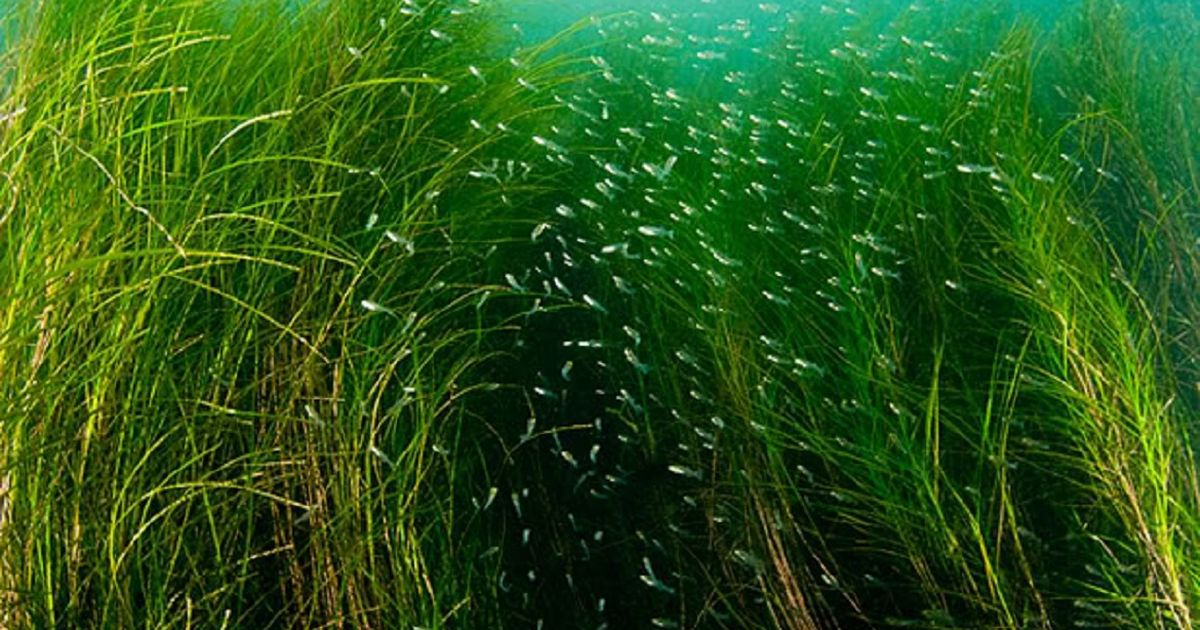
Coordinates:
x,y
377,314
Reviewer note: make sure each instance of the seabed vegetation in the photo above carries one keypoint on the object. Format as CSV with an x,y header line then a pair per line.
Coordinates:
x,y
377,314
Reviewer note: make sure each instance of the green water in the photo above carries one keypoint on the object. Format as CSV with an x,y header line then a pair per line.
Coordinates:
x,y
703,314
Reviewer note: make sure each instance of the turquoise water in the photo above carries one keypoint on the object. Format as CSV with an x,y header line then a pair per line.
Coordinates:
x,y
540,18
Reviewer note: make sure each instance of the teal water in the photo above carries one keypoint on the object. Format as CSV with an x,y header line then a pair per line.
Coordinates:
x,y
541,18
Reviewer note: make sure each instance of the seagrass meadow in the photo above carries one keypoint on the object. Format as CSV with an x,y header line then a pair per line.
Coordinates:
x,y
433,314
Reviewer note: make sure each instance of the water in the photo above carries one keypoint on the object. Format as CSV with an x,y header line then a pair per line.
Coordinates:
x,y
785,313
538,19
785,219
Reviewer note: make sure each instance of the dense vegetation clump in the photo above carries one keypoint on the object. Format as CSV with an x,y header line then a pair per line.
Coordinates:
x,y
383,314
